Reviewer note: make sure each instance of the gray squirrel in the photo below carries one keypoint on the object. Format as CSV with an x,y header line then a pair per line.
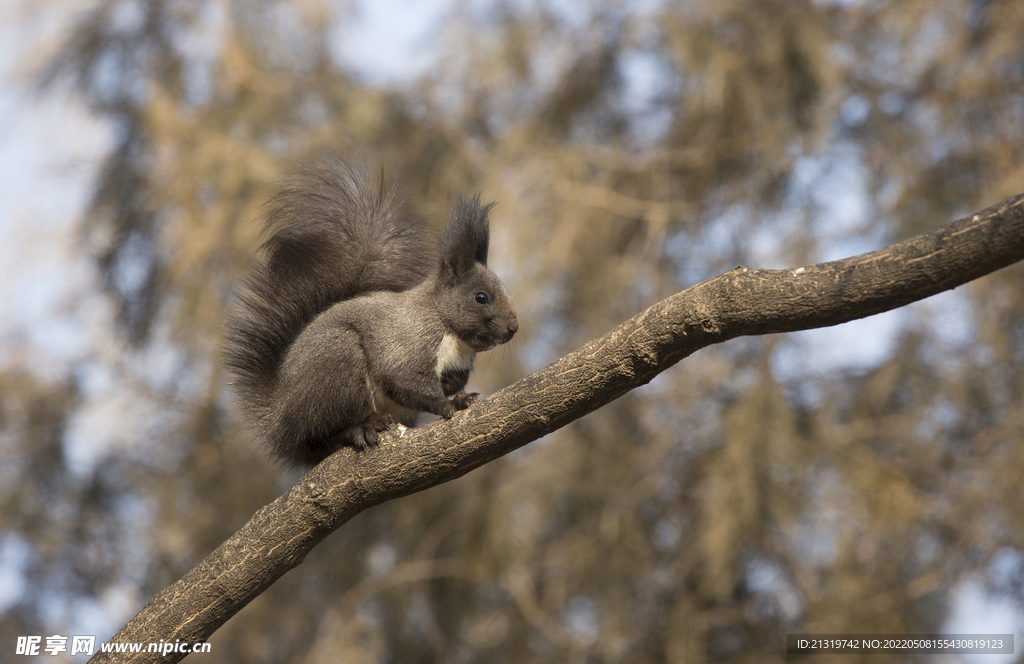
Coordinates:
x,y
350,321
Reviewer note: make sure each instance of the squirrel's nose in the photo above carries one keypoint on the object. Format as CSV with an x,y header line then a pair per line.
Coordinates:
x,y
513,327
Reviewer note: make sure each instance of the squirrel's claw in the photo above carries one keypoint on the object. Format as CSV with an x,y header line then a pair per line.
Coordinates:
x,y
464,400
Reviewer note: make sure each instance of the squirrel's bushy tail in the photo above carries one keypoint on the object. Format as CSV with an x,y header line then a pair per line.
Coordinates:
x,y
335,232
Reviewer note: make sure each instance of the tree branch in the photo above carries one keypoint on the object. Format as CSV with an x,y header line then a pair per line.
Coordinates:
x,y
741,302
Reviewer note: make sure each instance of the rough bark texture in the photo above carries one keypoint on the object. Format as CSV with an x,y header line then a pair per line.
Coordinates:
x,y
741,302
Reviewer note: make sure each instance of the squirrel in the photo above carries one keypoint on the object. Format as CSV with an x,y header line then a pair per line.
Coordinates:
x,y
350,321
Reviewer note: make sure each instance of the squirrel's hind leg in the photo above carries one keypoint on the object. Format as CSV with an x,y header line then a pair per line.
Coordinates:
x,y
365,434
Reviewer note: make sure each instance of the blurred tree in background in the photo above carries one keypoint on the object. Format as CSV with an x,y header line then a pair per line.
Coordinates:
x,y
634,149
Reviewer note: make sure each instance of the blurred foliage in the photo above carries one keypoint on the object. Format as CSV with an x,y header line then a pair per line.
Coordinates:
x,y
634,149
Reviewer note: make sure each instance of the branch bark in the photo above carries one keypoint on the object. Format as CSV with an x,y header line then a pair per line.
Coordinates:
x,y
741,302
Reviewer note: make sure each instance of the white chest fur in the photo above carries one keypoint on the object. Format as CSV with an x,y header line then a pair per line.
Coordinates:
x,y
453,354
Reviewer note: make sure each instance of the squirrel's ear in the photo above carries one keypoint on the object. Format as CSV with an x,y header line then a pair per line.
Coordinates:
x,y
465,239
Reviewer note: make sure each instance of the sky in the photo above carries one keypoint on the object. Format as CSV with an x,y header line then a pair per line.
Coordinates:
x,y
50,149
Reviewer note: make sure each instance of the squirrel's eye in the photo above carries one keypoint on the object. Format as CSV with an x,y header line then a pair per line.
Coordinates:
x,y
481,298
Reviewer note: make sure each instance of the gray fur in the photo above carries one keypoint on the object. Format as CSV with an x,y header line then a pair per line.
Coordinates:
x,y
342,326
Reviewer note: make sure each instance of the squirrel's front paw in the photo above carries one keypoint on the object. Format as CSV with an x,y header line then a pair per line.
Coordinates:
x,y
464,400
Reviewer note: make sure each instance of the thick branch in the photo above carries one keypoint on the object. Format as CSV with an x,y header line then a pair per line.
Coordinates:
x,y
741,302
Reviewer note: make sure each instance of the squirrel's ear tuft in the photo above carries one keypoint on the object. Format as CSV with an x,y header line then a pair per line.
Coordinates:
x,y
467,235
